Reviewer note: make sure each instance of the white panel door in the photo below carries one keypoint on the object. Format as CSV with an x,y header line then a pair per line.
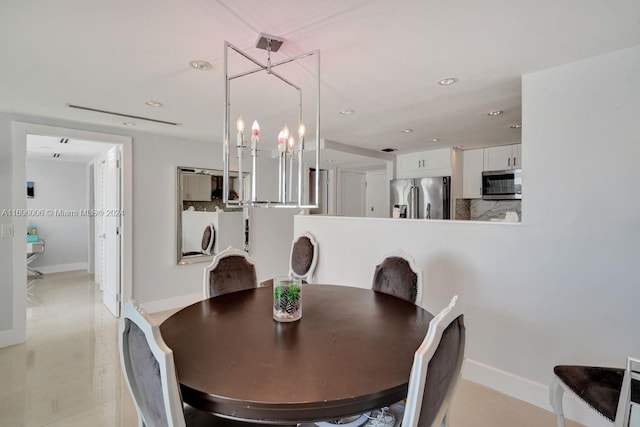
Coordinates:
x,y
353,194
111,289
101,179
377,195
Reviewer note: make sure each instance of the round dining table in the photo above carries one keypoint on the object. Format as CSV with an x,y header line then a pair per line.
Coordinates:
x,y
351,352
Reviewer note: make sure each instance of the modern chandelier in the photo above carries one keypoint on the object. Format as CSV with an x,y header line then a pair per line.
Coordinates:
x,y
288,147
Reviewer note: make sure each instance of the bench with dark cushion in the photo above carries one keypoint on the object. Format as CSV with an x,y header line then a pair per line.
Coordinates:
x,y
599,387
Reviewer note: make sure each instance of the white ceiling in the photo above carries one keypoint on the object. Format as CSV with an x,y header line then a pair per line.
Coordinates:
x,y
382,59
67,150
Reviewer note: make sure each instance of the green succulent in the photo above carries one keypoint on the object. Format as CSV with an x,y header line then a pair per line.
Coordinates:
x,y
293,292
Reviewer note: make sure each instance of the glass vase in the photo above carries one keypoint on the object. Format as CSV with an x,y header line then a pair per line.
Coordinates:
x,y
287,299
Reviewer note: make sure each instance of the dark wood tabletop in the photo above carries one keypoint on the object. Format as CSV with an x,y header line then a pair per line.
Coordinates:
x,y
351,352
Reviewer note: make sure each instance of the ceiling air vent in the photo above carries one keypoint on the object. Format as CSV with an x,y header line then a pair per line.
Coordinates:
x,y
389,150
57,155
129,116
64,140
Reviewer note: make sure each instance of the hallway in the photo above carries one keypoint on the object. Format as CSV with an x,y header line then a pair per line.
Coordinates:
x,y
68,372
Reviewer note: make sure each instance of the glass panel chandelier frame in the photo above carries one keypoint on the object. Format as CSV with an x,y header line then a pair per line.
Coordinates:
x,y
247,196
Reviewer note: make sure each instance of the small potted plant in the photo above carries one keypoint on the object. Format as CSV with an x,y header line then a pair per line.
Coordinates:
x,y
287,299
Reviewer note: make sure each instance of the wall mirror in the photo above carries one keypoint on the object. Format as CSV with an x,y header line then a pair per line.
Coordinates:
x,y
205,226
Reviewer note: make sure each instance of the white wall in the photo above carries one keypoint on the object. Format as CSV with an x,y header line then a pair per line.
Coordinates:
x,y
6,244
158,281
59,186
271,229
562,286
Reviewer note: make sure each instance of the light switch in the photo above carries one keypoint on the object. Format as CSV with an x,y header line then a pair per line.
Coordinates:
x,y
6,231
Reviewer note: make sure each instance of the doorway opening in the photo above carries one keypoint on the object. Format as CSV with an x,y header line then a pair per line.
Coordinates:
x,y
122,215
73,219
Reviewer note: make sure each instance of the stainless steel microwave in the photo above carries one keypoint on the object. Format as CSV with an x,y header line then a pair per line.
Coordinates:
x,y
502,185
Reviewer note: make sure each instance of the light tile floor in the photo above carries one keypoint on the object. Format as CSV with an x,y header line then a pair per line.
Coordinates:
x,y
68,372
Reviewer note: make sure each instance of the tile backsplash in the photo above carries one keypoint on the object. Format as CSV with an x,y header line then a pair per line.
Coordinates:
x,y
486,210
207,206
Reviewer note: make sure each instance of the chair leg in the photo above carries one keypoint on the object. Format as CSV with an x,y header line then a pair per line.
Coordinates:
x,y
556,391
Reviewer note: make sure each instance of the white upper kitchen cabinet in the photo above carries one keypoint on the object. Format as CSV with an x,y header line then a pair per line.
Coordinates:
x,y
196,187
504,157
472,167
424,164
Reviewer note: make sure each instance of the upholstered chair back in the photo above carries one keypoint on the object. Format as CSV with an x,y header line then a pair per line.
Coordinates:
x,y
436,369
231,270
304,256
149,369
398,275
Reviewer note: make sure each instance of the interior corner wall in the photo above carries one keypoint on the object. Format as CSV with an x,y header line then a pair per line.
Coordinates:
x,y
60,189
271,229
562,286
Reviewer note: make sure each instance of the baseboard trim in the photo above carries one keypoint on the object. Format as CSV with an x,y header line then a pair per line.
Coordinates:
x,y
531,392
171,303
61,268
9,338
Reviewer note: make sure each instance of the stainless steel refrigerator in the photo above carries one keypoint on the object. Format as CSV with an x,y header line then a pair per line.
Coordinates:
x,y
427,198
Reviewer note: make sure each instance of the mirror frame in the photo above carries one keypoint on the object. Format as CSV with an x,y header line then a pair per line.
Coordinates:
x,y
191,259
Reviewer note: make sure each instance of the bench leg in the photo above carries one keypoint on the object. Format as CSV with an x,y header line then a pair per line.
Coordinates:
x,y
555,397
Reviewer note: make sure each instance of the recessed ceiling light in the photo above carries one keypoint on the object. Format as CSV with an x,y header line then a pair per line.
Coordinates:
x,y
154,103
434,139
406,130
329,160
199,64
516,126
128,124
459,147
448,81
495,113
346,112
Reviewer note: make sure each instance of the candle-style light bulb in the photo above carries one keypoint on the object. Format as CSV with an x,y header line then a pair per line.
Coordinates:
x,y
286,132
240,148
291,143
282,141
255,136
301,130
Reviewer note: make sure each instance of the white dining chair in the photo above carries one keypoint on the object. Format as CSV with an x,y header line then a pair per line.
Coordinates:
x,y
435,373
436,369
149,369
231,270
304,257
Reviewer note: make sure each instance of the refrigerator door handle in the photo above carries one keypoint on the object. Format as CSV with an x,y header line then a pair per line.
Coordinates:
x,y
413,202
